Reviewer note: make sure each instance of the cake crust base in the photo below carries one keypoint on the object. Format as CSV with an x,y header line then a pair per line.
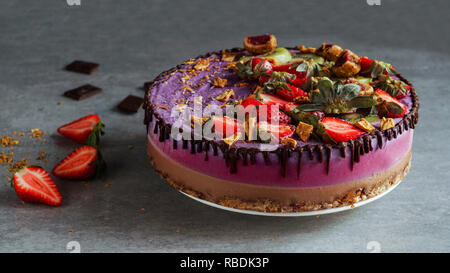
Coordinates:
x,y
274,199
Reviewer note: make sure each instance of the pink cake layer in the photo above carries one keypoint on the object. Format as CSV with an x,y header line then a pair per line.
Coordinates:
x,y
312,174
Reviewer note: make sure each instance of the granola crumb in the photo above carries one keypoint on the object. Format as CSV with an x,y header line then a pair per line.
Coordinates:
x,y
37,133
226,95
8,141
387,123
289,142
219,82
304,130
364,125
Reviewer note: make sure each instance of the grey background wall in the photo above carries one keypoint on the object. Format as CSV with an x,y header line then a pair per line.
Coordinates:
x,y
133,209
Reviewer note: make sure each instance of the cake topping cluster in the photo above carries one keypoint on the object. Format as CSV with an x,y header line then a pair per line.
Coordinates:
x,y
327,93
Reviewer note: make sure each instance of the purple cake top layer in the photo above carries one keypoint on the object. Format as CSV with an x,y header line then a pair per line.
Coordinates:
x,y
183,85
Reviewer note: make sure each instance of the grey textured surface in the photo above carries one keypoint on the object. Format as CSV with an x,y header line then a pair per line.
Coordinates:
x,y
135,40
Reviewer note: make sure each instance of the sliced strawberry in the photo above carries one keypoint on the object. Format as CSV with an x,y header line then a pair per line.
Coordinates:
x,y
298,82
280,131
261,66
365,63
340,130
390,106
290,93
34,184
291,69
269,99
79,130
251,101
289,106
226,126
80,164
273,114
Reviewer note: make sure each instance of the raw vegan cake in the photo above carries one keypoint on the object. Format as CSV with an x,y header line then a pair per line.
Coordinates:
x,y
291,129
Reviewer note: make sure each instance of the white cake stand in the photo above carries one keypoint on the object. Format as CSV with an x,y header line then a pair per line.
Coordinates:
x,y
294,214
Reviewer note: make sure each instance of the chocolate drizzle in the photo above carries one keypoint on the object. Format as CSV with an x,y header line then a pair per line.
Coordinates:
x,y
299,162
232,155
328,158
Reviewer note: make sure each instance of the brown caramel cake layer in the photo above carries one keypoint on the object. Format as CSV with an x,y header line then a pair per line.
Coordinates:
x,y
272,198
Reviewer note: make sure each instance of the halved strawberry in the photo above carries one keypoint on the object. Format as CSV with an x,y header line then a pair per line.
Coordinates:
x,y
80,164
289,106
225,126
34,184
390,106
272,114
340,130
269,99
251,101
80,129
280,131
298,82
290,93
291,69
365,63
261,66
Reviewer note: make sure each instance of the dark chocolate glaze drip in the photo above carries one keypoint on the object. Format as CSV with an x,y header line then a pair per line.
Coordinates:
x,y
155,130
357,147
175,144
266,157
244,153
162,133
233,155
357,150
252,157
310,152
379,139
199,146
299,162
328,147
215,151
352,153
283,154
320,153
207,145
192,146
343,148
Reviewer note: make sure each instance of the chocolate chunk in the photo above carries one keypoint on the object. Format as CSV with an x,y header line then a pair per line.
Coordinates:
x,y
131,104
83,92
82,67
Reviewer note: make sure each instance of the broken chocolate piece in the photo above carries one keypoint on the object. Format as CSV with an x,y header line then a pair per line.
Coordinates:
x,y
82,67
83,92
131,104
